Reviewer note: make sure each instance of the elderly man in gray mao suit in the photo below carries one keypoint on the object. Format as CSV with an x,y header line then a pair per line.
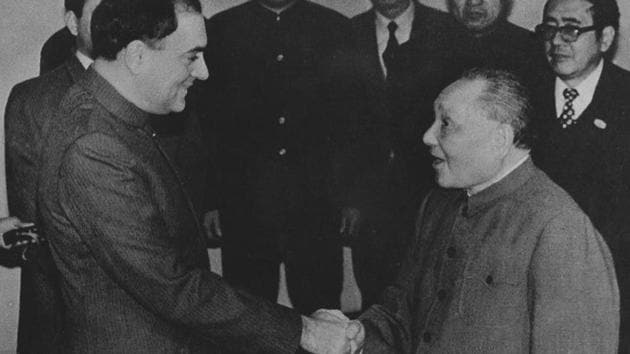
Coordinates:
x,y
503,261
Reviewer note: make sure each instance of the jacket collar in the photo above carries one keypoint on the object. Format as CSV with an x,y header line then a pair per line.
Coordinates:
x,y
505,187
113,101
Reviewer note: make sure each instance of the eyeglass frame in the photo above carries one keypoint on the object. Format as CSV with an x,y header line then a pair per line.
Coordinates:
x,y
567,37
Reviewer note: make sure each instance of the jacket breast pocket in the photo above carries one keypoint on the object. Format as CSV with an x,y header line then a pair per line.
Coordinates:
x,y
492,295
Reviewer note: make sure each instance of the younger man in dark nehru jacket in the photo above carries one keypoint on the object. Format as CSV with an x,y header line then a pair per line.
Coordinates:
x,y
123,228
276,106
583,121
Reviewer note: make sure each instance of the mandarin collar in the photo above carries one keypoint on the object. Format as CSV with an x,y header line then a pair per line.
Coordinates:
x,y
506,186
113,101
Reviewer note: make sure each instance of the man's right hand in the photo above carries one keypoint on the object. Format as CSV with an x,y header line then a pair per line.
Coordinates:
x,y
331,332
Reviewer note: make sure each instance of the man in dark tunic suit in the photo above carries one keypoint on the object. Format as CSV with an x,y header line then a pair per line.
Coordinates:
x,y
275,105
481,36
583,116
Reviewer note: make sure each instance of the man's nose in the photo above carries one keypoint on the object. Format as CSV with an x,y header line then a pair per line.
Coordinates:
x,y
429,136
200,70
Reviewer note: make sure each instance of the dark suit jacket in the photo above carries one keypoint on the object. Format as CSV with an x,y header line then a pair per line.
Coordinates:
x,y
29,112
275,101
130,249
56,50
389,168
592,163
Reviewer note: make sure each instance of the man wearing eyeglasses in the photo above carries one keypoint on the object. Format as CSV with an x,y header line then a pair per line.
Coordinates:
x,y
583,112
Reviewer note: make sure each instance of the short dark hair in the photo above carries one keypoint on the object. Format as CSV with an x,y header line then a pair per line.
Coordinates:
x,y
506,100
75,6
605,13
116,23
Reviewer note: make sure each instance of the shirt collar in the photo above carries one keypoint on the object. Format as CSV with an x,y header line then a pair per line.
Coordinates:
x,y
113,101
506,184
404,22
83,59
585,89
276,11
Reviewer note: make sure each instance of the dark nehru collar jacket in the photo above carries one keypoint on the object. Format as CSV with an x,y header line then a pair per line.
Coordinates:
x,y
128,245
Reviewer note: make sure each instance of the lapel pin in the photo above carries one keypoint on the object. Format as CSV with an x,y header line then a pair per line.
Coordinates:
x,y
599,123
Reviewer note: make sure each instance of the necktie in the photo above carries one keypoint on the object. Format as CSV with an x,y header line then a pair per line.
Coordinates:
x,y
392,46
567,117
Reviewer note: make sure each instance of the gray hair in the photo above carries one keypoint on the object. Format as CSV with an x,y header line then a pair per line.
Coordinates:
x,y
506,100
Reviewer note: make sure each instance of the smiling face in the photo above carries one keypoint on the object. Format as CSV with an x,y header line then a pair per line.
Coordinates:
x,y
573,62
173,66
462,139
476,15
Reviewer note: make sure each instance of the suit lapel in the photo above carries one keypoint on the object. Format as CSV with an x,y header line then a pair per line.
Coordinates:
x,y
368,50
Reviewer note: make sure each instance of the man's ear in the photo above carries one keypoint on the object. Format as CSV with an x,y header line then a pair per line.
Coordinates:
x,y
72,22
503,138
135,56
607,39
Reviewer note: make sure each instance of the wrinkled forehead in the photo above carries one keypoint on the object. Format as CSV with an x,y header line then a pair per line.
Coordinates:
x,y
461,94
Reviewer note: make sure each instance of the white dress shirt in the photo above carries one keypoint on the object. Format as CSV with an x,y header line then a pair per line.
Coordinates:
x,y
404,22
586,90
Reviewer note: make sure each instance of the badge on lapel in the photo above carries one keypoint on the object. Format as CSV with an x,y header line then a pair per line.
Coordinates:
x,y
599,123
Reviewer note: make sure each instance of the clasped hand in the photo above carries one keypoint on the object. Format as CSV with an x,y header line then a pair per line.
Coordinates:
x,y
331,332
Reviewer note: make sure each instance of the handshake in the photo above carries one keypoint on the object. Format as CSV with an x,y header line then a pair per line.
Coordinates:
x,y
331,332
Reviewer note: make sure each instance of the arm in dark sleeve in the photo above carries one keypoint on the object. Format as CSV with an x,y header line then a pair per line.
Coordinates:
x,y
22,143
108,201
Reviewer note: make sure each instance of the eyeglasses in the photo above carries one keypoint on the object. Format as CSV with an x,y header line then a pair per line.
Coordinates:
x,y
568,33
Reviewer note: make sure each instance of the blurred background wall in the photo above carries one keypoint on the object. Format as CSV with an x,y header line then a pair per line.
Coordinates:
x,y
26,24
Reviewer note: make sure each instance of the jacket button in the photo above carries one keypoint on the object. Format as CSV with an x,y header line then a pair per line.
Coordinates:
x,y
282,152
489,280
282,120
280,57
426,337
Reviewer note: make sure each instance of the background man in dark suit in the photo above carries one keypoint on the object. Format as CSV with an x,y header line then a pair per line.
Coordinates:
x,y
275,106
583,115
384,170
123,230
62,44
29,111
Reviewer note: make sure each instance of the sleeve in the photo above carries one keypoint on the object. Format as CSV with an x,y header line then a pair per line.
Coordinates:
x,y
107,199
22,141
388,326
575,299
